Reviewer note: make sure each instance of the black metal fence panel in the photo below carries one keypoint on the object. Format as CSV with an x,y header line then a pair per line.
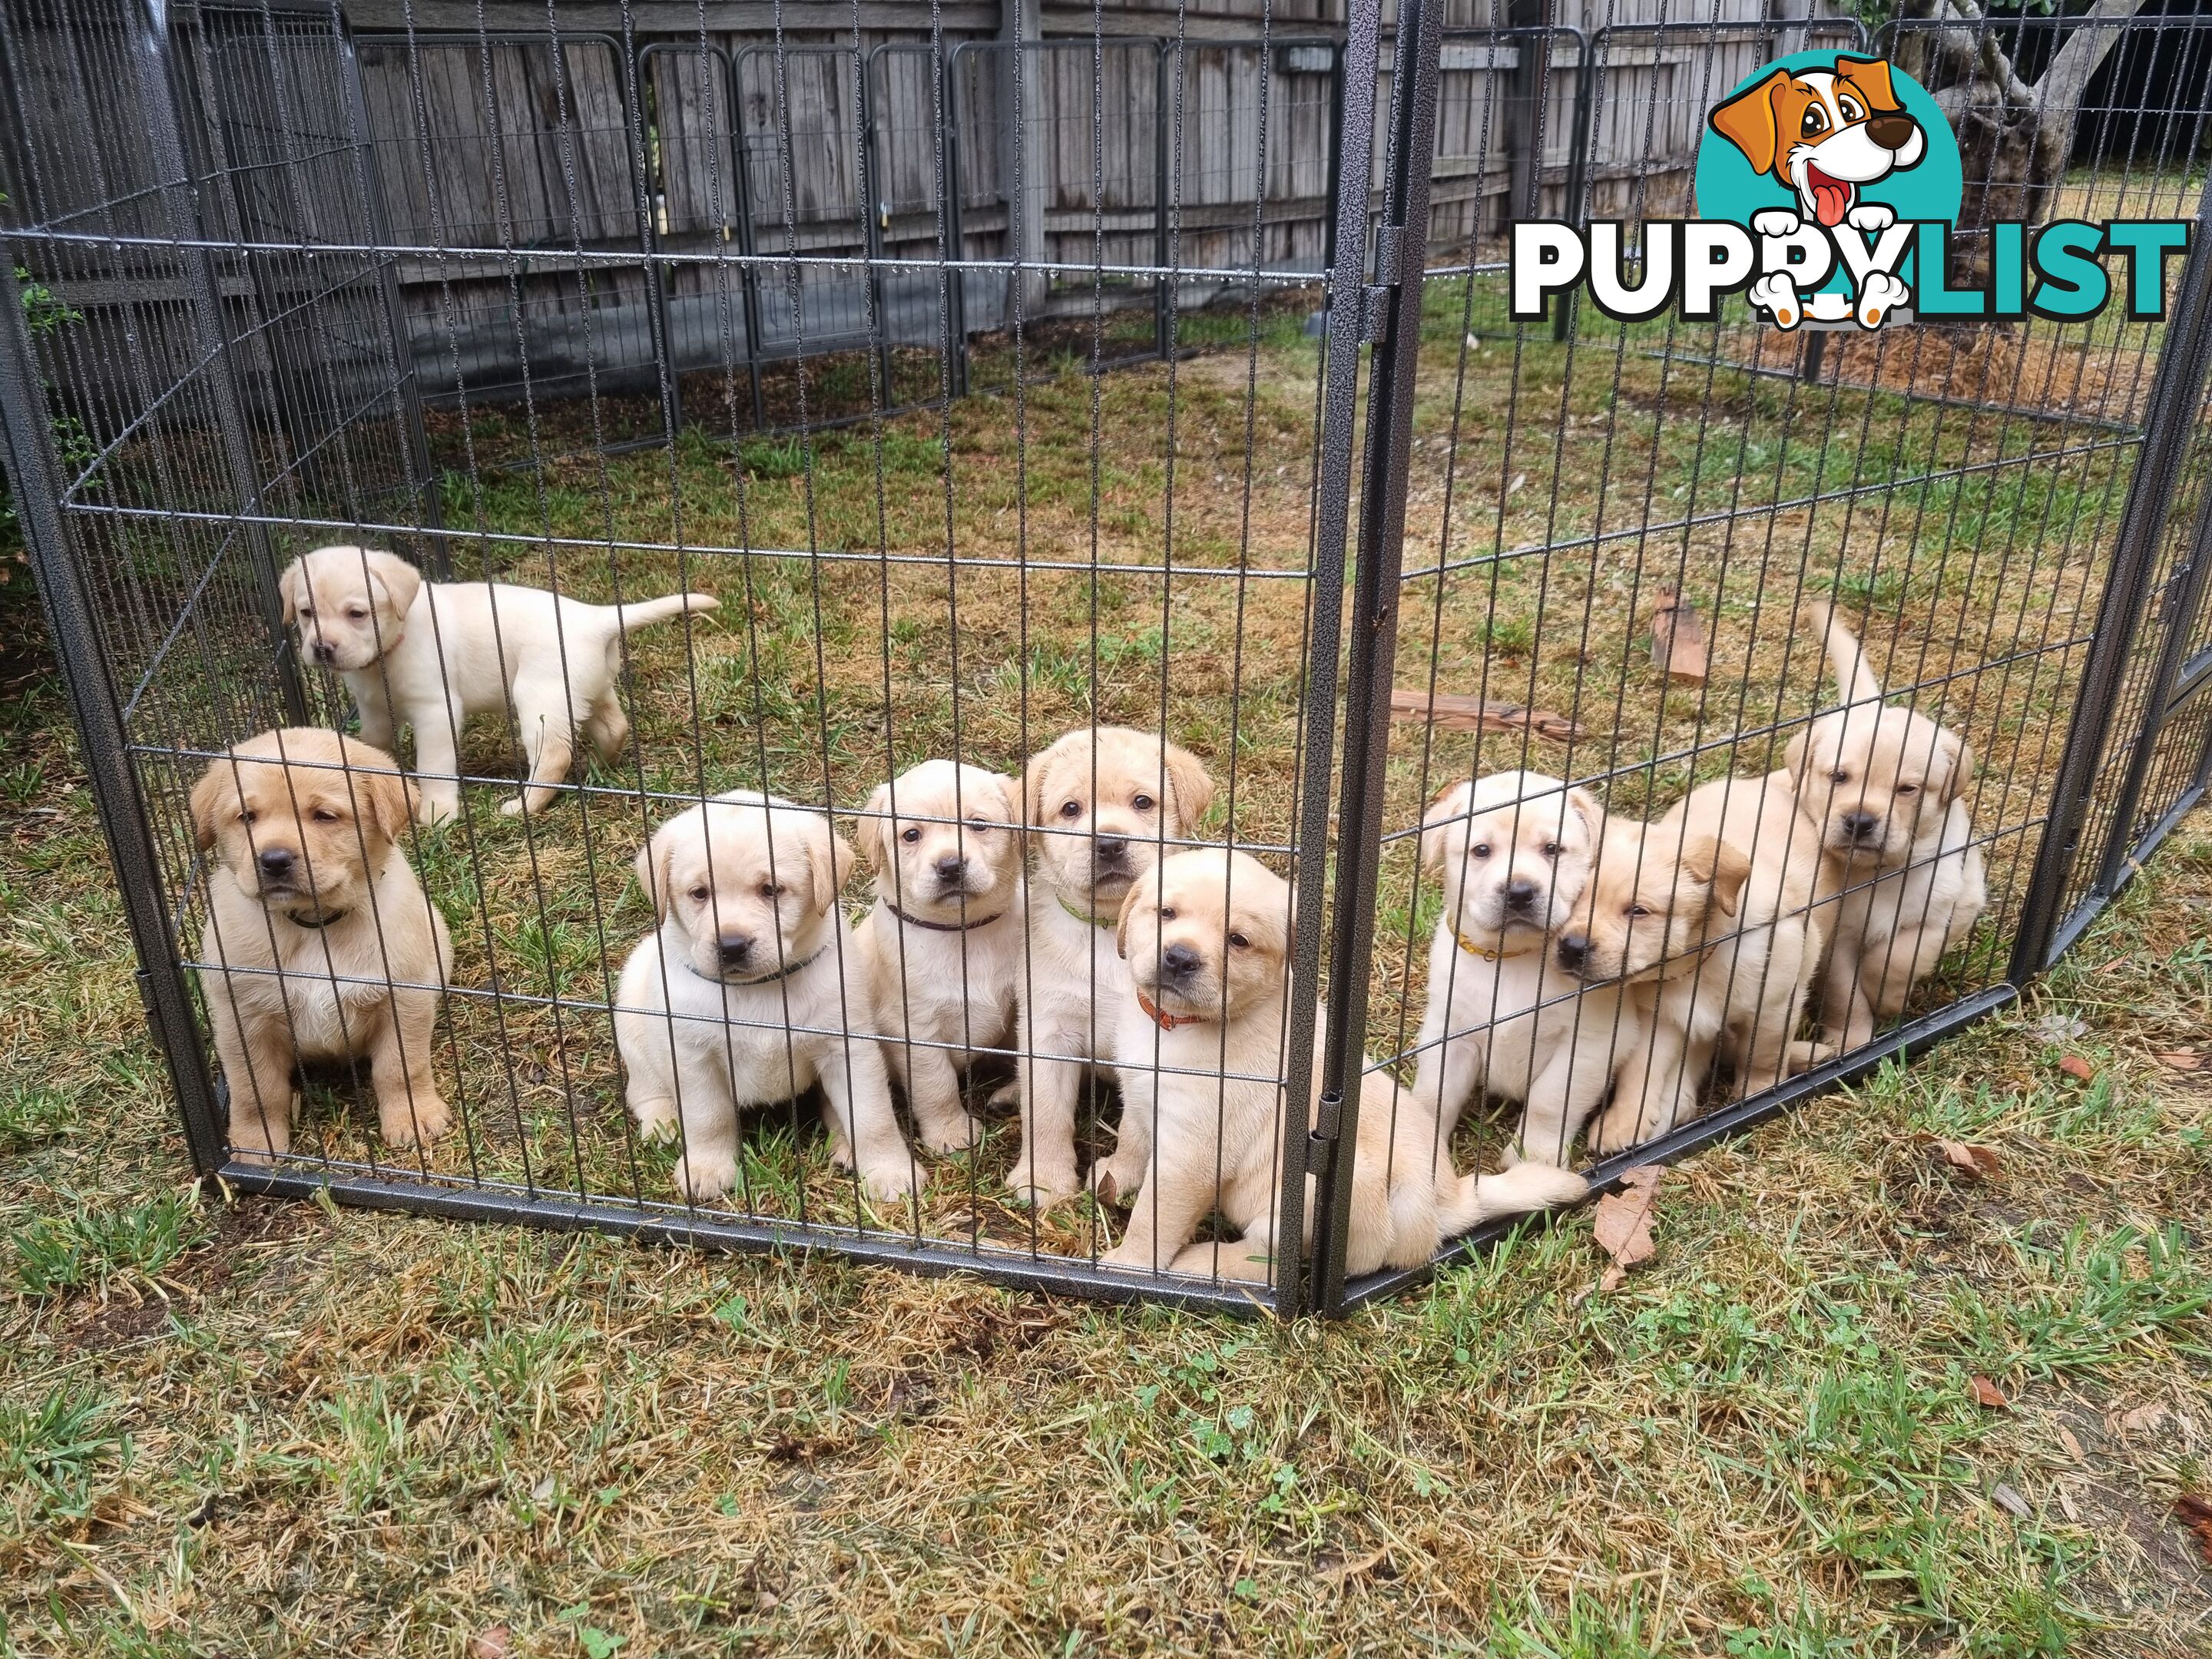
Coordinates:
x,y
948,648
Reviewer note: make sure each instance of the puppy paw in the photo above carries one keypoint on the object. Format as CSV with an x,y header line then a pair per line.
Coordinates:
x,y
255,1137
656,1120
1878,295
416,1122
1617,1131
1775,222
705,1178
1139,1260
1006,1095
1044,1189
1871,217
436,805
958,1133
890,1181
1804,1056
1117,1180
1777,295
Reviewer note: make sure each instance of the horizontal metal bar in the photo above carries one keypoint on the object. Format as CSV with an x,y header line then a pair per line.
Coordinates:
x,y
2196,674
1723,1124
670,1224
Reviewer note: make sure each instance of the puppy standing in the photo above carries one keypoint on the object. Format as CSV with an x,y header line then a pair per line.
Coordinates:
x,y
1882,790
943,943
1514,851
1105,800
751,991
1206,938
319,942
430,654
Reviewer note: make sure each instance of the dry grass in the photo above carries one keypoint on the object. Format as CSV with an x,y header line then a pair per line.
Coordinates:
x,y
261,1428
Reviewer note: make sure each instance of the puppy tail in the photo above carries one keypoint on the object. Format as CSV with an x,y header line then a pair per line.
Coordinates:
x,y
646,612
1515,1191
1854,675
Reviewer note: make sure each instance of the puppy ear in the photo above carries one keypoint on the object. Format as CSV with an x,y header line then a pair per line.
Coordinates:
x,y
1035,776
1593,814
651,868
402,581
289,587
1747,121
1794,756
1449,804
1720,866
206,797
1190,787
1962,772
874,834
1011,788
1871,76
1132,902
388,796
829,865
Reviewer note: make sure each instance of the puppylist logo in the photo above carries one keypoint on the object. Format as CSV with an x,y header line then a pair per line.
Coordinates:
x,y
1828,187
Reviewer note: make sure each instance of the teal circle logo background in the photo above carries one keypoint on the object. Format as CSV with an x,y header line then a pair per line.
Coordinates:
x,y
1727,188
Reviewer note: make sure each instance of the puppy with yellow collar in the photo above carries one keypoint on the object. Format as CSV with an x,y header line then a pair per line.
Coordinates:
x,y
1514,851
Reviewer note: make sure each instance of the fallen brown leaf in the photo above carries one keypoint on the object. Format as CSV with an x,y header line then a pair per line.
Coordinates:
x,y
2196,1515
2143,1418
1455,713
2074,1066
1343,1572
1622,1226
1969,1158
2073,1446
493,1642
1678,640
1987,1393
2181,1060
2010,1501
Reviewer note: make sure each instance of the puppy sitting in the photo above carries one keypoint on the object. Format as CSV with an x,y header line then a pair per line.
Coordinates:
x,y
943,943
1882,790
1514,851
1206,938
1103,803
319,941
430,654
751,991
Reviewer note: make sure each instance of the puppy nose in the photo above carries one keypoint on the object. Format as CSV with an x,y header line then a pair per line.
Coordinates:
x,y
1860,826
1891,131
275,861
1522,894
734,949
951,867
1111,848
325,652
1574,950
1179,960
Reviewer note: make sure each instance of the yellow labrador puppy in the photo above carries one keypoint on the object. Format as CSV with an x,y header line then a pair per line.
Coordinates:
x,y
430,654
750,992
1199,1048
1104,802
1514,851
319,943
943,942
1883,790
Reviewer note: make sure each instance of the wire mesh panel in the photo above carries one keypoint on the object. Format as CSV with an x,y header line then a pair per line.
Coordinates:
x,y
641,672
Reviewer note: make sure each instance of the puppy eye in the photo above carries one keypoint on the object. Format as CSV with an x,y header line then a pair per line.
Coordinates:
x,y
1637,910
1480,849
980,823
1239,941
769,890
357,614
1552,849
910,836
699,894
249,815
1839,777
1167,913
324,815
1908,788
1142,803
1071,810
306,612
1816,121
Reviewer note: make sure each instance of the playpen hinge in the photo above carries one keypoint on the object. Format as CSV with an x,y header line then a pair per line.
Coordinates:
x,y
1375,297
1328,1118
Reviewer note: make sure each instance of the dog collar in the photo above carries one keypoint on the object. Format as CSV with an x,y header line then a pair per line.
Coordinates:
x,y
311,924
1084,916
1486,952
938,926
1161,1017
785,972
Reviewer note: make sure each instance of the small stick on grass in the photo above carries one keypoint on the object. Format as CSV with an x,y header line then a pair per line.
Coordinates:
x,y
1455,713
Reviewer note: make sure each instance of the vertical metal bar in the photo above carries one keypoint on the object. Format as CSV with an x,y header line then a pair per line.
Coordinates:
x,y
1162,323
639,155
955,287
406,373
1578,156
2176,393
1334,184
876,209
170,157
34,473
749,275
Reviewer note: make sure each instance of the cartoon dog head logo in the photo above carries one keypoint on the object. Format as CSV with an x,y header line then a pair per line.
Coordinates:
x,y
1824,133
